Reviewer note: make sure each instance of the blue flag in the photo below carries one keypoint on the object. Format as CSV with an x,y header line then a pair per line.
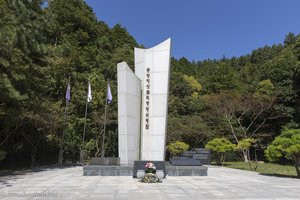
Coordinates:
x,y
68,93
108,96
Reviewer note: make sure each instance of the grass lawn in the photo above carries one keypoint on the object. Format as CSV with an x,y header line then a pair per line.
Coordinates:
x,y
270,169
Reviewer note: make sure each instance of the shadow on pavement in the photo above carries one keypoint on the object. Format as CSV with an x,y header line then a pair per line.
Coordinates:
x,y
14,175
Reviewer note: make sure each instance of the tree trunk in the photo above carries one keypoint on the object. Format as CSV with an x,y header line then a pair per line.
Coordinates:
x,y
97,154
223,158
33,154
245,155
297,163
297,169
219,159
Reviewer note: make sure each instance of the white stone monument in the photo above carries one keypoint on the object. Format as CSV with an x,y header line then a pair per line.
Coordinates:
x,y
143,105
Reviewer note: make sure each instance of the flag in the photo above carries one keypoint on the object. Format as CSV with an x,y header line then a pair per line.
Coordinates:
x,y
89,96
108,96
68,93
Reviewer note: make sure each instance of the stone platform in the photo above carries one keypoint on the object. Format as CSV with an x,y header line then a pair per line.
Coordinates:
x,y
105,161
186,170
113,170
140,165
107,170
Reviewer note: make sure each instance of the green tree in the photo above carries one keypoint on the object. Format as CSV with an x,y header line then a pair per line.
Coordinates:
x,y
264,89
290,39
243,115
194,84
23,71
216,76
190,129
176,148
287,145
41,46
244,146
220,146
282,72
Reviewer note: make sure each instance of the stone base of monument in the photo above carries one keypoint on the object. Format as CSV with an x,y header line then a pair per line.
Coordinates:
x,y
186,170
105,161
183,161
168,169
108,166
140,165
107,170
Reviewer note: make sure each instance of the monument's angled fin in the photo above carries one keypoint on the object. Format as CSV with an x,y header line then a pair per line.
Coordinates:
x,y
140,56
129,114
165,45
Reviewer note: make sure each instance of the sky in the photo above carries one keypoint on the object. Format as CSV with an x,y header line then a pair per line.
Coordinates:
x,y
203,29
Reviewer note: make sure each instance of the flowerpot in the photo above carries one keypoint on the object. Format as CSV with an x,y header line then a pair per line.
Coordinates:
x,y
140,174
160,174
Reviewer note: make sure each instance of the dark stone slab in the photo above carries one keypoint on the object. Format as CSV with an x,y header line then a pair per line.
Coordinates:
x,y
107,170
204,155
186,170
105,161
125,172
188,154
140,165
183,161
201,154
199,172
170,170
202,151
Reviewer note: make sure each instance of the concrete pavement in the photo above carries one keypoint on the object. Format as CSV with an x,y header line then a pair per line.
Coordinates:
x,y
221,183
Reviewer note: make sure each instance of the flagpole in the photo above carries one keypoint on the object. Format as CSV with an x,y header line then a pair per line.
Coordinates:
x,y
60,155
103,137
84,129
83,136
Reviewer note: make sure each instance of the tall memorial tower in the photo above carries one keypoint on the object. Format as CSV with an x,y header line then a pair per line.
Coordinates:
x,y
143,105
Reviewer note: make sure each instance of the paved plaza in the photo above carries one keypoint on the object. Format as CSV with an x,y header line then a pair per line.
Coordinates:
x,y
221,183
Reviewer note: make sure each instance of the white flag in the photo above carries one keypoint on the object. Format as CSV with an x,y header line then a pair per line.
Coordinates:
x,y
108,94
89,97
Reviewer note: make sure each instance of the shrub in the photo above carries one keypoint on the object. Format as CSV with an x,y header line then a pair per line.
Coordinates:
x,y
244,147
176,148
220,146
287,145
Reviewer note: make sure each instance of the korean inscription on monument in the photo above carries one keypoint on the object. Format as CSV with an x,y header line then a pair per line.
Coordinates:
x,y
147,102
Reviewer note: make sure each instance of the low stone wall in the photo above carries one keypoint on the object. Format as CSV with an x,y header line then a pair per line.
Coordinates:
x,y
107,170
186,170
140,165
105,161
